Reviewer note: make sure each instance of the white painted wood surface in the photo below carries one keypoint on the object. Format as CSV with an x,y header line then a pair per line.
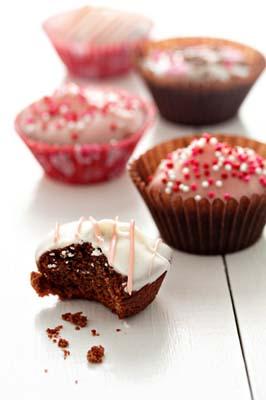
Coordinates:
x,y
186,344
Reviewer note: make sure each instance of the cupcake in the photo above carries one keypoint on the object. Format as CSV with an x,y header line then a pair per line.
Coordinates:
x,y
97,42
206,194
108,261
84,135
199,80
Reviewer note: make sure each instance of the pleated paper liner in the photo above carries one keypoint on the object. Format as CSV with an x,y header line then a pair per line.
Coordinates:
x,y
203,227
202,102
87,163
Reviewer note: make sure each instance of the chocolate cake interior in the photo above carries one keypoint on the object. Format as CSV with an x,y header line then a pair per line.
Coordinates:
x,y
83,272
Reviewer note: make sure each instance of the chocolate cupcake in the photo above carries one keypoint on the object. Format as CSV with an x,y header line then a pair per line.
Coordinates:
x,y
108,261
199,80
207,194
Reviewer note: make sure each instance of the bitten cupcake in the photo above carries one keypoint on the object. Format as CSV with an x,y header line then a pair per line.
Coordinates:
x,y
108,261
84,135
207,194
199,80
97,42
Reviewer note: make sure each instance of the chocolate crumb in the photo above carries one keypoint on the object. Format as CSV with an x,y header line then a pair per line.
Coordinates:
x,y
54,340
63,343
76,319
94,332
95,354
77,328
66,354
76,381
53,333
46,370
118,330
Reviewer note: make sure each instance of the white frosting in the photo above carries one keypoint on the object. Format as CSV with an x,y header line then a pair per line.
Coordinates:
x,y
148,264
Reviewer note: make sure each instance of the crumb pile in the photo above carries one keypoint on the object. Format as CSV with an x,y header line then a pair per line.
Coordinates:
x,y
95,354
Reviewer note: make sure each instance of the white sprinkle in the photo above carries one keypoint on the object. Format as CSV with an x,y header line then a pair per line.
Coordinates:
x,y
205,184
63,109
29,128
258,171
70,254
96,252
71,125
52,254
228,167
201,142
213,141
168,190
197,197
185,170
106,265
264,172
218,153
80,125
231,158
184,188
219,183
243,167
216,167
170,184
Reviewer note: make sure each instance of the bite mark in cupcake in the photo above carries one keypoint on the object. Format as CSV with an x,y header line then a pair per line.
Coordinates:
x,y
107,261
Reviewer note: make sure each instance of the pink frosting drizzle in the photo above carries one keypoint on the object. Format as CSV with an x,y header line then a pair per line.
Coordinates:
x,y
96,229
113,243
57,232
131,257
81,220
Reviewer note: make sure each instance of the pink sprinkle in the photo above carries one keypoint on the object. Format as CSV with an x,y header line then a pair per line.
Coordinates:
x,y
193,186
227,196
211,194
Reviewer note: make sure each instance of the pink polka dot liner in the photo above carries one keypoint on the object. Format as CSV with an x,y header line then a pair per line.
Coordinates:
x,y
84,163
191,206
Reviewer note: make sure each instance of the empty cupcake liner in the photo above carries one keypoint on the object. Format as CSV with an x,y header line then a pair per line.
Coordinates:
x,y
204,227
87,163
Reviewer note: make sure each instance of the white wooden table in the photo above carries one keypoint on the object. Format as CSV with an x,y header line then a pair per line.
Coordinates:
x,y
205,335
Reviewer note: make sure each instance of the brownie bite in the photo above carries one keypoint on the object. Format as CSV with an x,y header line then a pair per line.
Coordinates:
x,y
108,261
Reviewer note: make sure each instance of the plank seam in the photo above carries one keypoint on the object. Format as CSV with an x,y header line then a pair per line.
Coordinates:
x,y
238,327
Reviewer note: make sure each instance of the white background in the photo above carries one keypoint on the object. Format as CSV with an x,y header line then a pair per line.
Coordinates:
x,y
195,341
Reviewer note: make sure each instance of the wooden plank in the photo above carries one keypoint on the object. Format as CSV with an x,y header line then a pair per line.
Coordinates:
x,y
247,275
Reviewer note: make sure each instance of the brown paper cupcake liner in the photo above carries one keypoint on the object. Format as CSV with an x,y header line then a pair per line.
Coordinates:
x,y
203,227
199,102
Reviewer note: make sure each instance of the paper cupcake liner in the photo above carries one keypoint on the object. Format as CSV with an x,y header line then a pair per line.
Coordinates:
x,y
202,102
92,61
87,163
197,107
204,227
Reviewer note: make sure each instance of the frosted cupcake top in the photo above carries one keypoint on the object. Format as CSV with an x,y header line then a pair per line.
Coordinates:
x,y
128,250
75,115
98,26
210,169
198,62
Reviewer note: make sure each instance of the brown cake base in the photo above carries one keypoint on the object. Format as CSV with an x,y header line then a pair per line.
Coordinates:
x,y
74,273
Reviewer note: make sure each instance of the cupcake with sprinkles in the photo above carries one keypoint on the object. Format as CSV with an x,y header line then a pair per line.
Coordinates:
x,y
199,81
84,134
207,194
108,261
